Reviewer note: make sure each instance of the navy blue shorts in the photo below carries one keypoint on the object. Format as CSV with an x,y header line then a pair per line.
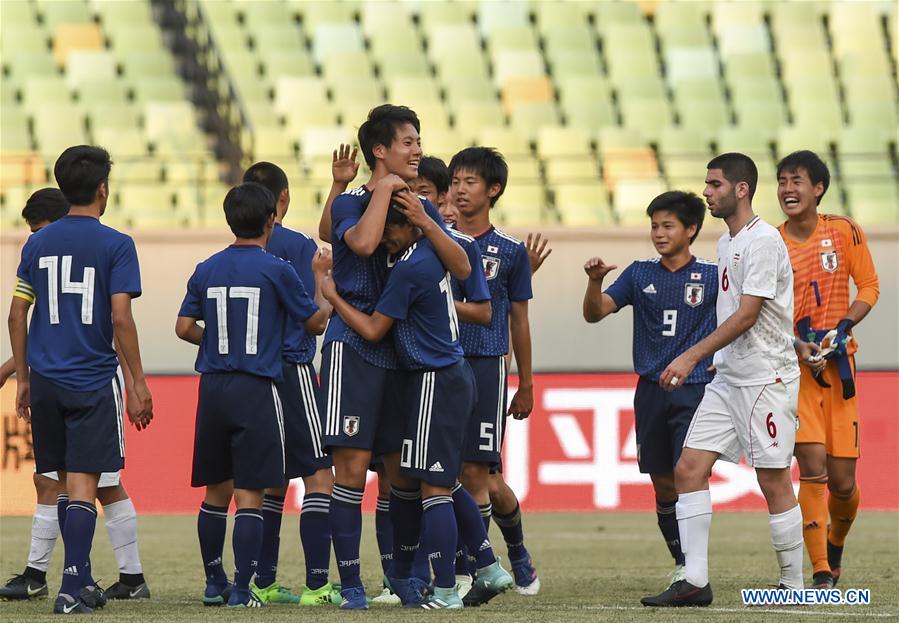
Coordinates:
x,y
484,435
304,454
439,406
359,402
663,419
80,432
239,433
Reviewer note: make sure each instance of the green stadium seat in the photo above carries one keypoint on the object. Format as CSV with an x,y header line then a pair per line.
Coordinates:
x,y
738,39
164,118
636,66
431,113
261,113
647,115
401,37
573,37
446,40
866,167
56,127
522,205
433,15
631,196
28,63
566,63
20,38
614,137
283,38
499,14
794,36
877,114
523,169
330,39
383,18
127,171
15,136
862,139
510,142
145,200
314,14
698,109
290,90
92,93
217,12
402,64
794,137
519,37
298,119
463,89
801,63
743,138
855,27
562,142
583,204
192,143
684,154
690,64
137,37
272,143
556,14
609,16
725,14
347,65
182,171
588,115
16,14
465,63
354,113
571,169
55,13
359,89
111,11
83,65
230,37
138,63
121,142
443,143
528,117
470,116
158,89
765,88
509,64
204,202
38,90
874,203
765,115
260,16
295,63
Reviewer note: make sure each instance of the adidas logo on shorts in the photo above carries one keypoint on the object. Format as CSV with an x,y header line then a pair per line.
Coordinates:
x,y
436,467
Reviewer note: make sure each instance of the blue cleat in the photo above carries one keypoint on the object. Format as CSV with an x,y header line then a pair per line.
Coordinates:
x,y
216,594
353,598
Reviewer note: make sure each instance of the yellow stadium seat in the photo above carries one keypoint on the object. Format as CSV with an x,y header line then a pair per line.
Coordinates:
x,y
87,65
740,38
301,117
647,115
314,14
18,14
139,198
551,15
443,143
167,118
15,136
584,204
523,169
320,141
68,37
522,205
347,65
92,93
330,39
410,88
508,141
23,168
516,64
528,117
684,153
462,64
384,17
631,196
132,37
432,15
620,138
874,203
277,64
431,113
140,64
559,141
290,91
526,90
690,64
364,89
402,37
121,142
471,116
566,64
571,169
203,200
623,164
725,14
282,38
401,64
519,37
259,16
445,40
499,14
190,171
272,143
134,171
55,13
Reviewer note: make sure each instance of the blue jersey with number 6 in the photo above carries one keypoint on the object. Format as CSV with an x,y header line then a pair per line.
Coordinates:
x,y
70,270
672,312
244,294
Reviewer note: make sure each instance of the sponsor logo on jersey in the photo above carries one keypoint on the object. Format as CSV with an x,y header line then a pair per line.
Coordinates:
x,y
351,425
829,261
694,293
491,266
650,289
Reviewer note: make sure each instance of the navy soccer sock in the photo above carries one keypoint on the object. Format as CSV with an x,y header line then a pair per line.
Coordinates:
x,y
346,532
405,514
440,527
471,527
81,519
513,533
315,535
62,503
384,533
461,552
486,513
668,526
246,541
212,523
421,566
272,511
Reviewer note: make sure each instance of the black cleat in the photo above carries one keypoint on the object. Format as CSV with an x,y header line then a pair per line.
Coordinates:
x,y
823,580
23,587
680,594
125,591
66,604
835,560
93,596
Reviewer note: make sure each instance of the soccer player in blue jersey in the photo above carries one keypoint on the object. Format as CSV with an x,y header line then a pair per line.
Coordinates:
x,y
479,176
674,297
66,364
417,303
390,143
245,296
43,207
302,425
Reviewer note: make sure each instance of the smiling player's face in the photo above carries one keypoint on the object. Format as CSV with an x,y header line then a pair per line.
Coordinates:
x,y
796,193
402,156
669,236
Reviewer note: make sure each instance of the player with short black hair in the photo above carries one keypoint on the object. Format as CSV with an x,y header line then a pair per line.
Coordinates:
x,y
354,426
432,182
66,366
245,297
479,176
674,297
299,392
825,251
43,207
749,408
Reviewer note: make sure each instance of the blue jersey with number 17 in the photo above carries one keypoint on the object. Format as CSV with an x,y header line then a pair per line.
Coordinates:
x,y
70,270
672,312
243,295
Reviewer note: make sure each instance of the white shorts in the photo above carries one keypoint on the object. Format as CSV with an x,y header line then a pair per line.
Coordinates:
x,y
759,421
107,479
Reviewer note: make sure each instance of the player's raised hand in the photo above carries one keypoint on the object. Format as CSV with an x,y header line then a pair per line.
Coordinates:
x,y
596,269
329,288
677,372
413,208
343,164
537,251
322,261
23,400
522,403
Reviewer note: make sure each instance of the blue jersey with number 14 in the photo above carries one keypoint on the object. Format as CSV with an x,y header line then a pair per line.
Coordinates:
x,y
672,312
243,295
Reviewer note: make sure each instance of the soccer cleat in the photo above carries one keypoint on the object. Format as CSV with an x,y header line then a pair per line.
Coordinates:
x,y
353,599
125,591
216,594
274,593
244,599
463,584
443,599
66,604
491,581
408,590
526,580
835,560
322,596
23,587
823,580
93,596
679,573
680,594
387,596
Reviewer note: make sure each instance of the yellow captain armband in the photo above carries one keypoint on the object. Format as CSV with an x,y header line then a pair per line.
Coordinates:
x,y
24,291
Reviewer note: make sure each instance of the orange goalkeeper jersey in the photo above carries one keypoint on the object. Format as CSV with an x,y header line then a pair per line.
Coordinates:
x,y
822,265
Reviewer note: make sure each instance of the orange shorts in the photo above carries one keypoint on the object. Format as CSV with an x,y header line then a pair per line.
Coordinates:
x,y
824,417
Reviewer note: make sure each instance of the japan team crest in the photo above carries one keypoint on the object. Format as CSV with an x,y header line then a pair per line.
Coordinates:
x,y
491,266
350,425
829,261
694,293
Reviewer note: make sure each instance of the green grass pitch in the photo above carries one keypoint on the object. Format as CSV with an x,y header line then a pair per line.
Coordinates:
x,y
594,567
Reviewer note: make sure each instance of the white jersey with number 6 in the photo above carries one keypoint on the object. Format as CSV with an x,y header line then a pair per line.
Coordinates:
x,y
756,262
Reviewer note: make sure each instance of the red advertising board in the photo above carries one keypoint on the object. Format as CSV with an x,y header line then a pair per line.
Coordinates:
x,y
575,453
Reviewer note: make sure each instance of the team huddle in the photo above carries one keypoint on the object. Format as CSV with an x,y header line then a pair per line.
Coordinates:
x,y
422,302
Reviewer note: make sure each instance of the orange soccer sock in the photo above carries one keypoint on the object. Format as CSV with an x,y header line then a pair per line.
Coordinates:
x,y
842,514
814,521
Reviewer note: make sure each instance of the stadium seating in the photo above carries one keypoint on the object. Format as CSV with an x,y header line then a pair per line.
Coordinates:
x,y
594,101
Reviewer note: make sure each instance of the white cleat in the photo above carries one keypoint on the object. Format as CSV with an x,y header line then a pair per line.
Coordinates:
x,y
463,584
530,590
387,597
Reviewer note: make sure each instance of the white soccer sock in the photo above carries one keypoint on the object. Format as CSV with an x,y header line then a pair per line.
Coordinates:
x,y
121,524
694,521
44,532
786,536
